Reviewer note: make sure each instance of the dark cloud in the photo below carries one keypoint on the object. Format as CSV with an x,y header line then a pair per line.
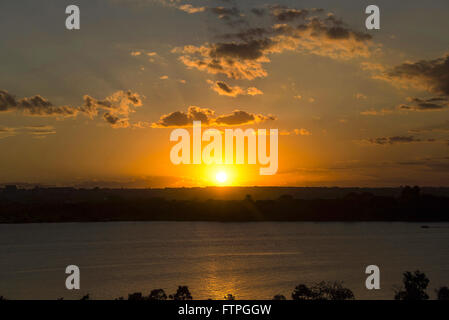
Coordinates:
x,y
332,28
431,104
225,13
251,50
238,117
399,140
431,75
245,52
232,15
34,106
224,89
283,14
184,119
248,34
393,140
208,118
116,107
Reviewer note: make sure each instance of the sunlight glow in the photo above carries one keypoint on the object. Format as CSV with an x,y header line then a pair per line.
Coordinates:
x,y
221,177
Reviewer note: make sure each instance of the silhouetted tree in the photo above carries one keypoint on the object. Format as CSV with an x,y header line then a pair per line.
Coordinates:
x,y
322,291
303,292
414,286
443,293
249,198
409,193
157,294
86,297
279,297
2,298
136,296
229,297
182,293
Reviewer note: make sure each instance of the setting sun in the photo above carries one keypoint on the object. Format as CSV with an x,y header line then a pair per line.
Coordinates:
x,y
221,177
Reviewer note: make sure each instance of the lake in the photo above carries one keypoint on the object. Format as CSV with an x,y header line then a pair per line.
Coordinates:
x,y
250,260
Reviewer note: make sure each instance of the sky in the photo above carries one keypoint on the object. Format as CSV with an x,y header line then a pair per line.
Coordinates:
x,y
96,106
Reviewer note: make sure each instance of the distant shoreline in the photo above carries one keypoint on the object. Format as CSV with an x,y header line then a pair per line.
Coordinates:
x,y
105,205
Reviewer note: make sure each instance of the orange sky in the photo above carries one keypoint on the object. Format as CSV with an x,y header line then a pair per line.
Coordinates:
x,y
96,106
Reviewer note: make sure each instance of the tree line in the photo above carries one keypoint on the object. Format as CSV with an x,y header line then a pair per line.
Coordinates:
x,y
414,287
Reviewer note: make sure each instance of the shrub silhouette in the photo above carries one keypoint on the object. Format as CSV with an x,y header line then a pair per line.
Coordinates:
x,y
414,286
136,296
229,297
279,297
322,291
86,297
157,294
443,293
182,293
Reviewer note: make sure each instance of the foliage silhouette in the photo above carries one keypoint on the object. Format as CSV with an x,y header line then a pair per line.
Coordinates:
x,y
136,296
443,293
414,286
279,297
322,291
182,293
229,297
157,294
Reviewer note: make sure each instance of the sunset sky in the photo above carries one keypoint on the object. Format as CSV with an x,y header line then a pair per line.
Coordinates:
x,y
96,106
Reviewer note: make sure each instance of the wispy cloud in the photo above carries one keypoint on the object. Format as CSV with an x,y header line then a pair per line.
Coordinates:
x,y
223,89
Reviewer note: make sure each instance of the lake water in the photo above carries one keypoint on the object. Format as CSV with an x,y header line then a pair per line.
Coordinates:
x,y
249,260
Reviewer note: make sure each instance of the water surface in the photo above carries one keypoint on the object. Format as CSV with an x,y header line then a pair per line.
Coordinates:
x,y
249,260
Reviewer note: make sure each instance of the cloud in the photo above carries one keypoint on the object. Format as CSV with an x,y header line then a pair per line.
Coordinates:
x,y
208,118
296,132
441,127
223,89
425,75
245,52
396,140
164,77
360,96
238,117
136,53
432,163
34,106
225,13
185,119
377,112
284,14
253,91
430,104
116,107
429,75
191,9
38,131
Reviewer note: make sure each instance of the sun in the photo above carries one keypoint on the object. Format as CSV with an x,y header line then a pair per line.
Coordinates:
x,y
221,177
